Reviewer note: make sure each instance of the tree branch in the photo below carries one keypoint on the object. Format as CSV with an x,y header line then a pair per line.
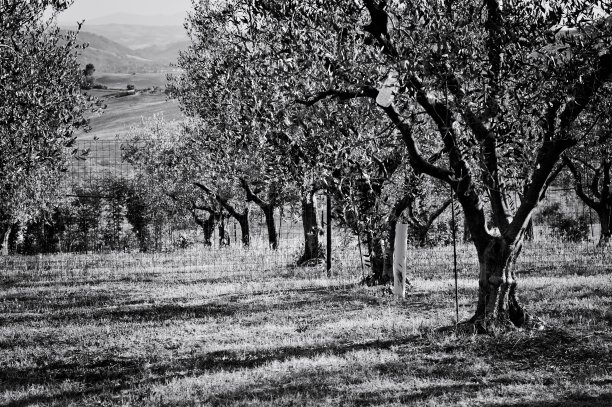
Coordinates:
x,y
551,178
436,214
595,182
606,193
252,196
224,202
583,92
365,91
461,180
551,150
412,218
417,161
378,26
579,188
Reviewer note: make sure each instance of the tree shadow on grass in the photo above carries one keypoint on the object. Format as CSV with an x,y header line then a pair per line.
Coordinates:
x,y
64,398
230,360
433,391
127,313
111,374
574,400
106,372
46,301
552,347
108,376
92,372
314,384
111,306
317,387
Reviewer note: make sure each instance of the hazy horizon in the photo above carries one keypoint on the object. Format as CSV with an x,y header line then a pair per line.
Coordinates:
x,y
89,10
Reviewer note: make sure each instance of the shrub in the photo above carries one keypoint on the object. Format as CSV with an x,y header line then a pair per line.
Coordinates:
x,y
564,226
571,229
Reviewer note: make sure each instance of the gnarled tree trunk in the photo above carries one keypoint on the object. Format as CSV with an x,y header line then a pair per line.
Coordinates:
x,y
6,233
498,304
208,227
267,208
313,250
268,211
241,217
467,236
243,221
224,237
387,273
605,221
376,252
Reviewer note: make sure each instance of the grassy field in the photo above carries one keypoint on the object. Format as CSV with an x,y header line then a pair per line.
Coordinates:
x,y
124,112
223,336
139,80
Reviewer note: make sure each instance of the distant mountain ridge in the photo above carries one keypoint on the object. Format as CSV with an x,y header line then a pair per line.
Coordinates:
x,y
122,42
110,56
165,54
138,36
134,19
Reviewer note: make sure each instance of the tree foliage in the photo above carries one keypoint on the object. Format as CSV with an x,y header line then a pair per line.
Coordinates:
x,y
40,105
497,91
590,165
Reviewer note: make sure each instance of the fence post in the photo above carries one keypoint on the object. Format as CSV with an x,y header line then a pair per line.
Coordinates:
x,y
455,257
329,236
399,260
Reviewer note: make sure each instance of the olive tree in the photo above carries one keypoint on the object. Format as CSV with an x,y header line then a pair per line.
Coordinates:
x,y
165,161
40,106
504,86
591,169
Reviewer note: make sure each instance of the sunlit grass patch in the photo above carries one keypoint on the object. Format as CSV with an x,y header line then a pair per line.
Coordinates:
x,y
292,337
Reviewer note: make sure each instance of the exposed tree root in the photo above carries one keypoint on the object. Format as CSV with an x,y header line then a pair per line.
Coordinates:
x,y
372,280
478,325
309,261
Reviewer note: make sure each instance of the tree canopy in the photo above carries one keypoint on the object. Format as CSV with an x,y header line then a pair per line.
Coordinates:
x,y
40,104
486,96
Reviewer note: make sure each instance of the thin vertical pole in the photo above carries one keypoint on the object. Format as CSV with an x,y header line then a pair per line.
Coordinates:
x,y
359,243
399,260
329,236
280,226
235,233
455,256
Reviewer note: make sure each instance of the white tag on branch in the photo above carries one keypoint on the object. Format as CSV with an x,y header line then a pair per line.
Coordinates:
x,y
387,92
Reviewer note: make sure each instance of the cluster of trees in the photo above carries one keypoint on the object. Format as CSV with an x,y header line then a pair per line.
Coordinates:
x,y
107,214
88,81
483,98
215,176
385,105
40,107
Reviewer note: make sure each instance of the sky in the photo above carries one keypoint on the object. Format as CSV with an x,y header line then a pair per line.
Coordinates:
x,y
90,9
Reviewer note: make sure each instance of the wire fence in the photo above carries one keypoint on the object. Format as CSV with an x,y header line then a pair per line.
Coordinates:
x,y
101,242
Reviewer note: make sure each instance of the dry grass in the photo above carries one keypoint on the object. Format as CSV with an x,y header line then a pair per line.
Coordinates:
x,y
140,80
230,337
123,113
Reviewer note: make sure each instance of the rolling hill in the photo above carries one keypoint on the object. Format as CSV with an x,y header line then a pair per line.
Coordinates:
x,y
110,56
165,54
136,36
137,19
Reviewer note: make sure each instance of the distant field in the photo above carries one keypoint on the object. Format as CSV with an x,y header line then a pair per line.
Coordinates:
x,y
124,112
139,80
156,335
